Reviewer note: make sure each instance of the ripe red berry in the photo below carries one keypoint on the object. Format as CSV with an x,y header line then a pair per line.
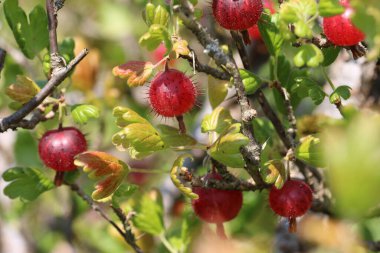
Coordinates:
x,y
172,93
237,14
340,30
57,149
254,32
292,200
216,206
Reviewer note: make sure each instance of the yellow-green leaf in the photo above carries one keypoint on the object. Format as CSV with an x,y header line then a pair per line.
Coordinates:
x,y
125,116
177,165
274,172
23,90
173,138
219,120
217,91
106,169
310,151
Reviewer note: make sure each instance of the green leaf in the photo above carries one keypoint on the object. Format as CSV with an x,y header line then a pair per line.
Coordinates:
x,y
227,148
317,94
329,8
148,14
123,193
251,81
31,35
344,91
173,138
334,98
274,172
309,55
149,214
298,13
270,32
310,151
263,129
156,15
329,55
352,154
155,36
174,173
217,91
219,120
139,139
25,183
83,113
26,149
125,116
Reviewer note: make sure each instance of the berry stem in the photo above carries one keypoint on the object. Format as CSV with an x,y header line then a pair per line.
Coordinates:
x,y
181,124
245,36
220,231
292,225
58,179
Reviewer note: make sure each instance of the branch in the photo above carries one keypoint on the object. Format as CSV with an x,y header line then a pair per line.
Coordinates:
x,y
3,53
206,68
11,122
53,22
250,152
372,245
75,188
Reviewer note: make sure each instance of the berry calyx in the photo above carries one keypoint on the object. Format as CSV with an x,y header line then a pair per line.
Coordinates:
x,y
214,205
172,93
57,149
254,32
340,30
237,14
292,200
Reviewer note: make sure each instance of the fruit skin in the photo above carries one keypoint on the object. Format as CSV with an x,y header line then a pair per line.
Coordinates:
x,y
254,32
214,205
57,148
340,30
237,14
172,93
293,200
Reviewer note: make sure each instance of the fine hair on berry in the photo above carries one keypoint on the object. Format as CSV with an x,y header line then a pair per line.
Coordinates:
x,y
172,93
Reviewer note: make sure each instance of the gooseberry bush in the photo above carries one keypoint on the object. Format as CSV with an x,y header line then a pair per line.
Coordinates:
x,y
231,126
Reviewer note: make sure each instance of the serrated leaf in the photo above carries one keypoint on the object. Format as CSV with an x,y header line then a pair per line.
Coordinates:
x,y
329,8
274,172
106,169
23,90
298,13
125,116
309,55
216,90
155,36
173,138
219,120
25,183
148,14
174,173
136,73
227,148
139,139
309,150
329,55
123,193
149,214
83,113
317,94
31,35
344,91
269,28
251,81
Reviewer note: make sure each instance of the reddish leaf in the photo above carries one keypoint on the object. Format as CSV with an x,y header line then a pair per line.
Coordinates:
x,y
135,72
105,168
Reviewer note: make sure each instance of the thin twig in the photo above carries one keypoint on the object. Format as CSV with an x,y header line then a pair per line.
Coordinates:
x,y
3,53
204,68
75,188
53,22
11,121
250,152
